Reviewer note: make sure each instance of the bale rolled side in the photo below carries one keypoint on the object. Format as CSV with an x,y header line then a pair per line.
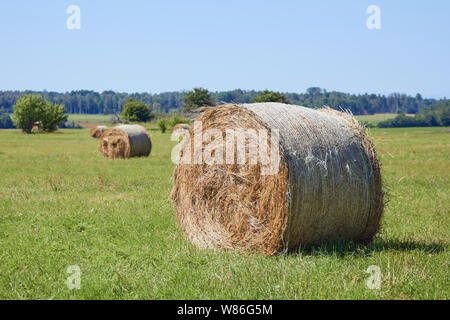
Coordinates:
x,y
97,131
125,141
327,186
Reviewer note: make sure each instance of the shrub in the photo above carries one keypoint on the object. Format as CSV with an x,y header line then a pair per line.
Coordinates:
x,y
176,119
51,117
31,109
136,111
162,124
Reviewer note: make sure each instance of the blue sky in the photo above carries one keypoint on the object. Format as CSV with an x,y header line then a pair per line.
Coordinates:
x,y
156,46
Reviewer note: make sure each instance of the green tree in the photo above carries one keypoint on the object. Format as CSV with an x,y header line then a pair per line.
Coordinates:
x,y
270,96
28,111
52,115
162,124
445,118
136,111
197,98
32,108
314,91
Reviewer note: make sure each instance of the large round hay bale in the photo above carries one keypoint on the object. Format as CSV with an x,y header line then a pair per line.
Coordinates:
x,y
125,141
97,131
326,187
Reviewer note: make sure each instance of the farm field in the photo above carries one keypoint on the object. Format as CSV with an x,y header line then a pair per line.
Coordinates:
x,y
374,119
62,204
89,117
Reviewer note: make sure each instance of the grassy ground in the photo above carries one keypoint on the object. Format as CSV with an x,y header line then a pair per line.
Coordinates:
x,y
62,204
376,118
89,117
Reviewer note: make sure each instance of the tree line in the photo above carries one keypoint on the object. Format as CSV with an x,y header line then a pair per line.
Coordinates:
x,y
434,115
111,102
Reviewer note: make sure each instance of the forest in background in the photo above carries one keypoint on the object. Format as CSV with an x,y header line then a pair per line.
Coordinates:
x,y
111,102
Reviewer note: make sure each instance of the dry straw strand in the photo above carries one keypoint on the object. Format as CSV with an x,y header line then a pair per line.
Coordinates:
x,y
328,186
125,141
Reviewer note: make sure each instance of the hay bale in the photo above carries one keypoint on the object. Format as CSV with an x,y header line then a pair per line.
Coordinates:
x,y
97,131
125,141
327,186
181,126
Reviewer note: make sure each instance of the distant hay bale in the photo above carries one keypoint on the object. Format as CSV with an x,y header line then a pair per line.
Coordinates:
x,y
327,186
97,131
181,126
125,141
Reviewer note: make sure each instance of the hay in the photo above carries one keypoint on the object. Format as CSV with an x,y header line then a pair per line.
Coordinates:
x,y
181,126
125,141
327,187
97,131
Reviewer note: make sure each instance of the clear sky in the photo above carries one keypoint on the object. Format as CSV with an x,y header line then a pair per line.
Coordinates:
x,y
156,46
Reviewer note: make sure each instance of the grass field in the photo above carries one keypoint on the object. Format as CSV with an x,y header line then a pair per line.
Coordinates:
x,y
62,204
376,118
89,117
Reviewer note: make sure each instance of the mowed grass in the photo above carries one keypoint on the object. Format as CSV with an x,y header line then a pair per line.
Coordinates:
x,y
62,204
374,119
89,118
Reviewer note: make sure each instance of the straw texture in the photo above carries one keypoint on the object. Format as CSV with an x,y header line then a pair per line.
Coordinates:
x,y
125,141
328,185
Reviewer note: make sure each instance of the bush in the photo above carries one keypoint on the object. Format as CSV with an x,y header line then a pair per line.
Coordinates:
x,y
136,111
434,115
402,120
51,117
32,109
162,124
366,124
176,119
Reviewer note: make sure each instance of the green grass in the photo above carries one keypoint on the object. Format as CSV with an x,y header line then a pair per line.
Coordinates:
x,y
62,204
374,119
89,117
